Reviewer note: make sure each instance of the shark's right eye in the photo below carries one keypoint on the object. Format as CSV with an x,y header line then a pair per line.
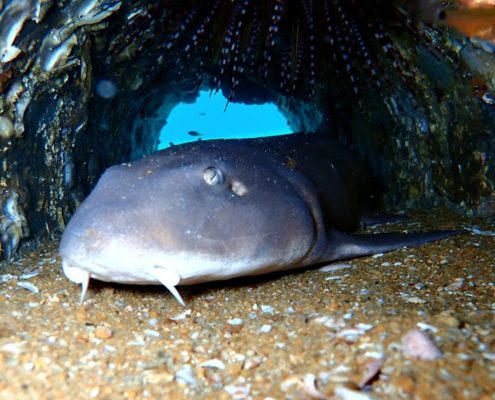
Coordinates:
x,y
213,176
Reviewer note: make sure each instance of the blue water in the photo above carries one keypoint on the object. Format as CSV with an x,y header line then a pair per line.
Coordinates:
x,y
206,119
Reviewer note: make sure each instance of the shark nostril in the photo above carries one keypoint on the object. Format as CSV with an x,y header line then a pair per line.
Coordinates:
x,y
213,176
238,188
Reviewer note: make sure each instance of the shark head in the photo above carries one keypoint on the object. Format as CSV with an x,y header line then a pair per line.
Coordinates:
x,y
197,212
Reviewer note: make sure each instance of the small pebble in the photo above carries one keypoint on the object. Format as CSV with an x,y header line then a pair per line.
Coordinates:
x,y
364,327
266,309
405,384
457,284
151,333
427,327
290,383
448,320
417,344
103,332
415,300
335,267
185,375
181,316
94,392
373,368
237,392
347,394
252,363
29,366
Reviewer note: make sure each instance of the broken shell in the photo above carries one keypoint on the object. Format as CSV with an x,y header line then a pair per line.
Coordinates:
x,y
213,363
57,57
373,368
28,286
12,20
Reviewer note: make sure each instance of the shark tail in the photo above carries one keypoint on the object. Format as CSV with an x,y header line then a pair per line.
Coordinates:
x,y
342,245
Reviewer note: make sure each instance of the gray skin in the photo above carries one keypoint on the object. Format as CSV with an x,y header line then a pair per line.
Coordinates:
x,y
214,210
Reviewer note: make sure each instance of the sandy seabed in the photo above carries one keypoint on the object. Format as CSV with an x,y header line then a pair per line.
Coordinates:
x,y
338,332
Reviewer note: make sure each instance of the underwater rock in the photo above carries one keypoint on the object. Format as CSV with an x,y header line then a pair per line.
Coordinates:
x,y
6,127
13,223
396,88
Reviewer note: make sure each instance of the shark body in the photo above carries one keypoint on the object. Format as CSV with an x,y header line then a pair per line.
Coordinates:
x,y
219,209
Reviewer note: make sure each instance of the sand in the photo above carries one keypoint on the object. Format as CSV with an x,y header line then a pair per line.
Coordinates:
x,y
414,323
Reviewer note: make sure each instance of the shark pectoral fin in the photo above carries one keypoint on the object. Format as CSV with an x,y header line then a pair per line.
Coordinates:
x,y
170,279
79,276
84,287
344,245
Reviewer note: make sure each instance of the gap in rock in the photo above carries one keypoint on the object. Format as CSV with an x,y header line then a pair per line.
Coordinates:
x,y
212,117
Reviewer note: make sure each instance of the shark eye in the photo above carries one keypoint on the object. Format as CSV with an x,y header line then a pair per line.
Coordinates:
x,y
213,176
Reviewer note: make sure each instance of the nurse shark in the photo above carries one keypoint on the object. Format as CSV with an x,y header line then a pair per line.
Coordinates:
x,y
220,209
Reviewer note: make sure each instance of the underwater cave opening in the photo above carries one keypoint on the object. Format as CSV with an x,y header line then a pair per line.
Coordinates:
x,y
212,116
174,111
